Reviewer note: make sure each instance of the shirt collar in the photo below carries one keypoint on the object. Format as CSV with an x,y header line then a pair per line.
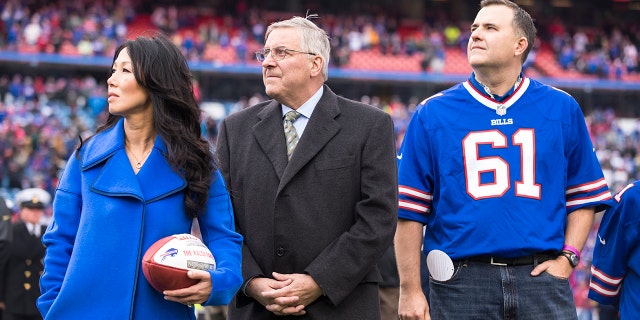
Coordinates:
x,y
487,93
306,109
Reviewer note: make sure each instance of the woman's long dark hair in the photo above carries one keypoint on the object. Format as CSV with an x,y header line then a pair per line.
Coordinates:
x,y
160,67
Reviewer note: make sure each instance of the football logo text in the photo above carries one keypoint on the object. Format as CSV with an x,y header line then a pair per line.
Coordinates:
x,y
501,122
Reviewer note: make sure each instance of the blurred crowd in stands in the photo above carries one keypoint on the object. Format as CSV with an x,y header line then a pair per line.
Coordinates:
x,y
596,51
232,33
41,120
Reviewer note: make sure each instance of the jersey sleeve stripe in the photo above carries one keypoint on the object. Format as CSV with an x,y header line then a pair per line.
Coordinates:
x,y
433,96
587,187
602,291
613,281
414,193
412,206
599,197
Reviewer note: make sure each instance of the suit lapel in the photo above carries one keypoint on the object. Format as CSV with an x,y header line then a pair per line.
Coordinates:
x,y
321,127
269,133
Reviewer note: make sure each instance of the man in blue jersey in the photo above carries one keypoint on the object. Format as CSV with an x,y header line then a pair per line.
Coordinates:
x,y
615,272
502,172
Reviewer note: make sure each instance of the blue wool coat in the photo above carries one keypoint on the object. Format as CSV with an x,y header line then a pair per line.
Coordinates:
x,y
105,217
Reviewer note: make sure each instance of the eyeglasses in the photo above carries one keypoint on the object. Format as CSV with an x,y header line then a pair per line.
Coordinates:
x,y
277,53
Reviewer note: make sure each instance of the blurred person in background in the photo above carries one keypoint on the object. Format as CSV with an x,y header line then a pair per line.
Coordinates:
x,y
21,266
6,236
615,271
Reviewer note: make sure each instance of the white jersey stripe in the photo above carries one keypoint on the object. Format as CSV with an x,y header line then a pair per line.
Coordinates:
x,y
600,197
605,278
412,206
433,96
609,293
587,187
414,193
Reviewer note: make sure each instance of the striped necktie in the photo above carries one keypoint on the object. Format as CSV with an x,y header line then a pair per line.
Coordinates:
x,y
290,131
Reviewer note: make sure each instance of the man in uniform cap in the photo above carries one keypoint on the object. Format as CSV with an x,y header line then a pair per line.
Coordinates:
x,y
21,269
6,236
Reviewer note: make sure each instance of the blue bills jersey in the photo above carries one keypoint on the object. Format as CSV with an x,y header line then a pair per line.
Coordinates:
x,y
615,271
498,178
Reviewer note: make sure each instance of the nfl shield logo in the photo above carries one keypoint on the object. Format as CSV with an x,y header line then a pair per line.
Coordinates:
x,y
501,110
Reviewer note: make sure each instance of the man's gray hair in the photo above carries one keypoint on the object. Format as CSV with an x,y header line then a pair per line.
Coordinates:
x,y
314,39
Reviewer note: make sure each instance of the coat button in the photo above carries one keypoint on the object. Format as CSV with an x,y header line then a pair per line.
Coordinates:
x,y
28,262
27,286
27,274
280,251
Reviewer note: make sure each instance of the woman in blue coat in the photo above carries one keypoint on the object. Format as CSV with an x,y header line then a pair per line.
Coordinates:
x,y
147,173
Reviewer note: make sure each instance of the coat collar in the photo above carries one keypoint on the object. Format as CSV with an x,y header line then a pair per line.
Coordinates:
x,y
321,128
117,176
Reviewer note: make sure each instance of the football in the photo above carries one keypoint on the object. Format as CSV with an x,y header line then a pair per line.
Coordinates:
x,y
166,263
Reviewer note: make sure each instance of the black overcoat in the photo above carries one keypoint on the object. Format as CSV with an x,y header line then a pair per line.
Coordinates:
x,y
330,211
